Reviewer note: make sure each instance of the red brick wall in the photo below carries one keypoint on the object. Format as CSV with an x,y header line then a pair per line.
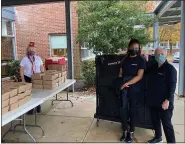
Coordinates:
x,y
36,22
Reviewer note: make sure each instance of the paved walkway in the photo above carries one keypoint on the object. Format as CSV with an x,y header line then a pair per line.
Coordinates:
x,y
65,124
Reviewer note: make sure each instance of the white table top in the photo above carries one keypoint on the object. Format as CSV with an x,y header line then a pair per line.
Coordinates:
x,y
46,93
38,97
10,116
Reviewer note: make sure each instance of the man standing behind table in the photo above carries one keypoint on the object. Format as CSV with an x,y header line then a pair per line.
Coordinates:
x,y
161,85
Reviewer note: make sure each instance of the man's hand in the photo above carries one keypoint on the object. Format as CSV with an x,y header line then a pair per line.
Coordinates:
x,y
165,105
125,85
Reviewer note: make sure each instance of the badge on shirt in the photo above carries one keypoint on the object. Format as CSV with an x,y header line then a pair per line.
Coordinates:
x,y
134,64
160,74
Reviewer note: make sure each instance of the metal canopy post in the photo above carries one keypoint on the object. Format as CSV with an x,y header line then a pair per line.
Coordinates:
x,y
69,40
182,53
156,35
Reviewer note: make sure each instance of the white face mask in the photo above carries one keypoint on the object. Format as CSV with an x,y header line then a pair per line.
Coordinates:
x,y
160,58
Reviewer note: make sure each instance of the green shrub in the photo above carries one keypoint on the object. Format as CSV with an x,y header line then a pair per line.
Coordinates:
x,y
13,69
88,72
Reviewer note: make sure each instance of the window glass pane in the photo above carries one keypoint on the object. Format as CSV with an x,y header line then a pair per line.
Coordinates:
x,y
59,52
58,42
4,28
85,53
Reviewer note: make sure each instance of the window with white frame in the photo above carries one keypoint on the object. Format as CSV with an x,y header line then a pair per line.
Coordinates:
x,y
86,53
58,45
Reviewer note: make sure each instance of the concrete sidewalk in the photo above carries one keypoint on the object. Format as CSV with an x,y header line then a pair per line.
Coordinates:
x,y
62,123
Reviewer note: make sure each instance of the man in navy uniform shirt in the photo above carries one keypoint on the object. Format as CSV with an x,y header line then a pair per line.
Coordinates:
x,y
161,85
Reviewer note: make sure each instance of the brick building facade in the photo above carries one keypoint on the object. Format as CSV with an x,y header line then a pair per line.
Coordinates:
x,y
37,22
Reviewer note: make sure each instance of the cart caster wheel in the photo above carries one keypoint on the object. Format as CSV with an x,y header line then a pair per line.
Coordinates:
x,y
97,123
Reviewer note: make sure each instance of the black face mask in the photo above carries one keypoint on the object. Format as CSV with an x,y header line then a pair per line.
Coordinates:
x,y
133,52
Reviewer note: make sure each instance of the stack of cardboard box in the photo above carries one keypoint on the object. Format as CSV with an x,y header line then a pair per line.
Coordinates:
x,y
14,95
58,67
61,68
49,80
37,80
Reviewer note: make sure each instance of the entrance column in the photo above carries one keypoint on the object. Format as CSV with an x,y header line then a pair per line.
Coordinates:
x,y
156,35
69,40
182,53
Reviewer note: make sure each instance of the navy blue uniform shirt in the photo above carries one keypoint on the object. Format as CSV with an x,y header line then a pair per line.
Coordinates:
x,y
130,67
161,84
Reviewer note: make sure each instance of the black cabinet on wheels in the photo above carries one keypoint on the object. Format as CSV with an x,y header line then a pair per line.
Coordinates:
x,y
108,100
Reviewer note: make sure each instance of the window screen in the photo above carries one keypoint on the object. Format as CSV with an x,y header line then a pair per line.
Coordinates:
x,y
58,41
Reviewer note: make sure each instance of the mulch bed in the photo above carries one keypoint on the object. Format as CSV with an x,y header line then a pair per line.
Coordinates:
x,y
88,90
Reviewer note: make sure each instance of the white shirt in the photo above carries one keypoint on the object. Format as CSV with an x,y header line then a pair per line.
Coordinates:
x,y
26,63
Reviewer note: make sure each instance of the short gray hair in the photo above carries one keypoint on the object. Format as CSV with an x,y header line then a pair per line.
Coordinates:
x,y
162,49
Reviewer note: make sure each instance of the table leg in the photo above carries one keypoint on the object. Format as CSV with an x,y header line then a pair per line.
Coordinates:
x,y
10,129
24,125
65,99
35,125
97,122
25,130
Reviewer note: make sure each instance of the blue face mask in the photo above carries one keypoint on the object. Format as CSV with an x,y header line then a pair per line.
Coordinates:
x,y
160,58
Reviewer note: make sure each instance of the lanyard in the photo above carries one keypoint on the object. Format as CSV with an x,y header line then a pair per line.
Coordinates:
x,y
33,64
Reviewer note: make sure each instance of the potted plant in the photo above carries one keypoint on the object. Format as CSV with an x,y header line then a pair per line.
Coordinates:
x,y
13,70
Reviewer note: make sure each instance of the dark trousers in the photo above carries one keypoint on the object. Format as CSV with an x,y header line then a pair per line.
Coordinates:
x,y
159,115
28,80
128,110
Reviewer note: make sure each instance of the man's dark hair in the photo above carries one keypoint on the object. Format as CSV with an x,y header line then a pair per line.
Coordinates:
x,y
134,41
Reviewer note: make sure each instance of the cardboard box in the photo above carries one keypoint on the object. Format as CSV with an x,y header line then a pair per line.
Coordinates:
x,y
5,110
22,101
13,99
5,95
60,79
60,74
57,80
65,78
50,77
64,73
50,82
59,83
23,95
14,106
5,103
37,76
40,82
53,73
36,86
28,98
50,86
13,92
50,67
50,71
28,86
28,92
57,67
21,88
